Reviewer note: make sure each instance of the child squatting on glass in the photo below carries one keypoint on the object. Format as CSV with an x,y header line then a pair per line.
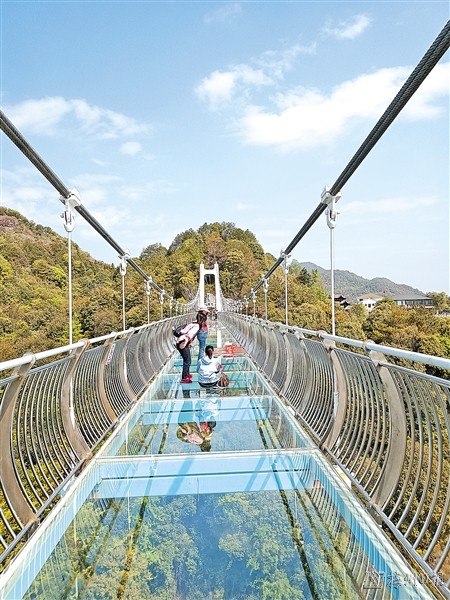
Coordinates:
x,y
209,369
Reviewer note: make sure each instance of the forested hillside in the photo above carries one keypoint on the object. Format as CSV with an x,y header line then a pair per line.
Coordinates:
x,y
353,286
34,290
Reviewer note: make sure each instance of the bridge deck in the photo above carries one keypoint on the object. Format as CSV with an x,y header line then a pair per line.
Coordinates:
x,y
256,512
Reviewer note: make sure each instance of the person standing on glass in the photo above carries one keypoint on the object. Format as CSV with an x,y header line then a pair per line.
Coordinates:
x,y
203,331
184,343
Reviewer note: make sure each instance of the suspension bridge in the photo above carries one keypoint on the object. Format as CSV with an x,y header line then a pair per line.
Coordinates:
x,y
327,471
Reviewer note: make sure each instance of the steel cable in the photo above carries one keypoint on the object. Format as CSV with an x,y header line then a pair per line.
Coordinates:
x,y
17,138
411,85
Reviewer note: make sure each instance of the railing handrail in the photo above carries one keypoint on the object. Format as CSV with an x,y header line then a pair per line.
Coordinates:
x,y
419,357
31,357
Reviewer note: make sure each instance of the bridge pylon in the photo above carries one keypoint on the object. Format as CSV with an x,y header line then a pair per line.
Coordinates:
x,y
214,271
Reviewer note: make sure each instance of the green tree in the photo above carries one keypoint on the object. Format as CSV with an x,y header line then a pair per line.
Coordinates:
x,y
153,251
441,301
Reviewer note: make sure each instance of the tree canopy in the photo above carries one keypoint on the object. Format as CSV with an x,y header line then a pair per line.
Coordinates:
x,y
34,290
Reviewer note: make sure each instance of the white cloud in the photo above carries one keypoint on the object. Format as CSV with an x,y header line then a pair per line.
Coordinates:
x,y
95,192
217,88
349,29
114,215
131,148
100,163
38,116
277,63
304,118
243,207
25,191
150,188
55,115
382,208
225,14
24,185
221,87
87,180
106,199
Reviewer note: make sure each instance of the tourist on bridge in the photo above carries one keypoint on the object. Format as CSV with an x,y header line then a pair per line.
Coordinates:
x,y
203,331
209,369
184,343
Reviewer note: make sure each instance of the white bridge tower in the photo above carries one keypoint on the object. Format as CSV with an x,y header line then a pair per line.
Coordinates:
x,y
214,271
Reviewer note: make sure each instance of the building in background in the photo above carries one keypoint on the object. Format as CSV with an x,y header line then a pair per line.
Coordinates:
x,y
408,301
413,300
370,300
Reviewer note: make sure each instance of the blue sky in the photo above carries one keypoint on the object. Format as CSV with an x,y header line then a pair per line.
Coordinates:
x,y
167,115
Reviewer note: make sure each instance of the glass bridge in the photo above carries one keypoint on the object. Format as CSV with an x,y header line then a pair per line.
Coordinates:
x,y
281,487
254,511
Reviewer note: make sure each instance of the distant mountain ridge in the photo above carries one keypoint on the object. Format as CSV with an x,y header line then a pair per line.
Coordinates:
x,y
352,286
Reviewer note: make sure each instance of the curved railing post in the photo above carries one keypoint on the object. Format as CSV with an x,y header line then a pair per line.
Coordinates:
x,y
71,428
269,347
284,365
300,381
310,381
340,397
397,442
8,477
289,364
123,369
108,348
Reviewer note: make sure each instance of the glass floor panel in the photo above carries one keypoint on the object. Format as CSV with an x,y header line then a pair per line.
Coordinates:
x,y
231,423
244,382
275,525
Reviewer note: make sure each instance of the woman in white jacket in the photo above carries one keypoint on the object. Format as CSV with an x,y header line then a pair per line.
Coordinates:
x,y
209,368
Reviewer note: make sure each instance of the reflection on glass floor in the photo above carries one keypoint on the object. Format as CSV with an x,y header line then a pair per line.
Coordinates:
x,y
232,423
255,513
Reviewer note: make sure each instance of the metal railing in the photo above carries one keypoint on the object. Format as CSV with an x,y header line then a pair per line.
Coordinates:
x,y
57,407
385,425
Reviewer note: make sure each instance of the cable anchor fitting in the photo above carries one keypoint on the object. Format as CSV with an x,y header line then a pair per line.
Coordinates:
x,y
123,263
148,285
70,203
287,260
330,201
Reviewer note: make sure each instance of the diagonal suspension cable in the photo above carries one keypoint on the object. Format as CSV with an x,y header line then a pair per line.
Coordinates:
x,y
411,85
17,138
